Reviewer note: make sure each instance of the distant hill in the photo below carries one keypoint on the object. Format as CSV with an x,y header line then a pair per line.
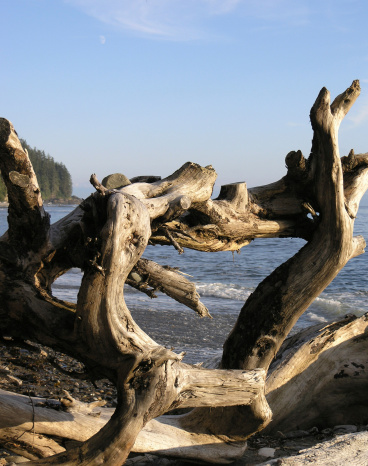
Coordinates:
x,y
53,177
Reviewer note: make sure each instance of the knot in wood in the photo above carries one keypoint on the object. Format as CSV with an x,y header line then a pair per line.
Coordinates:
x,y
18,179
296,165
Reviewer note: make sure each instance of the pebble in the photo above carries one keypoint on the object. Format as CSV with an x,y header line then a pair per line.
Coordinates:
x,y
327,431
146,460
137,278
313,431
345,429
267,452
295,434
16,459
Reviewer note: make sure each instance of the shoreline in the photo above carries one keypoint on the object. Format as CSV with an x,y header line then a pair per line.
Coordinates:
x,y
59,203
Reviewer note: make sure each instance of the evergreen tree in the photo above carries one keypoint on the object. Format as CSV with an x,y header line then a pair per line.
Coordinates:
x,y
53,177
2,190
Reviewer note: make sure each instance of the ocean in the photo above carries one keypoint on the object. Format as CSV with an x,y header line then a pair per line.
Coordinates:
x,y
224,281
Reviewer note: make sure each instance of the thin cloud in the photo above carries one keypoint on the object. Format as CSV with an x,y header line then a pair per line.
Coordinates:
x,y
294,124
102,40
279,11
185,19
360,115
219,7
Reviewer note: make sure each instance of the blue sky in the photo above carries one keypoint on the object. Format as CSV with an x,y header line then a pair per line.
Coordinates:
x,y
142,86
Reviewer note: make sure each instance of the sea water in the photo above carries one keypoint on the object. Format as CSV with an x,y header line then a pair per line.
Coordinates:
x,y
224,281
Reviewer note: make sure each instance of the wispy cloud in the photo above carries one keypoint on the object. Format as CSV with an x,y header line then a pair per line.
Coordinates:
x,y
360,113
221,6
185,19
165,19
279,11
102,40
295,124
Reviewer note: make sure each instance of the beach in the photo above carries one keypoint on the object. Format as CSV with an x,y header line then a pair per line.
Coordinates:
x,y
224,282
34,372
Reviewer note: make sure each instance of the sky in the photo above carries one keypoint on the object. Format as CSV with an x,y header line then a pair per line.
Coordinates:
x,y
142,86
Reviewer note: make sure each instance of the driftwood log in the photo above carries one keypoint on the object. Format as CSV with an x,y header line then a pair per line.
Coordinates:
x,y
319,372
105,236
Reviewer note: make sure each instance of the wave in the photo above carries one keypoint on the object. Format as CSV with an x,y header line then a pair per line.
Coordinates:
x,y
313,317
224,291
65,286
328,303
338,303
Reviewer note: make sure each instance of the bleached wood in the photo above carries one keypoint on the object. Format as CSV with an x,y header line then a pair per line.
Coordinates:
x,y
207,387
106,236
162,436
171,283
26,210
320,372
273,308
28,414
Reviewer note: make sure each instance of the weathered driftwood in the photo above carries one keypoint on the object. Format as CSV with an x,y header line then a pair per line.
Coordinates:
x,y
169,281
34,422
312,374
322,373
106,235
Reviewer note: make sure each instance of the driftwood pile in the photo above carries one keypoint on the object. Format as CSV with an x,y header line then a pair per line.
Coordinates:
x,y
320,374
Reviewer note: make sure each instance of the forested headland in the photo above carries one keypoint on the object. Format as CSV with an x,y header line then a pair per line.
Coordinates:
x,y
53,177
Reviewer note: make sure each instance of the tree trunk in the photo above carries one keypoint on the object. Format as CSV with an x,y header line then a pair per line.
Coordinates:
x,y
106,235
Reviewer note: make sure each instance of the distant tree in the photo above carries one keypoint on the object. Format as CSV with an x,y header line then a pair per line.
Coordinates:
x,y
65,180
2,191
53,177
